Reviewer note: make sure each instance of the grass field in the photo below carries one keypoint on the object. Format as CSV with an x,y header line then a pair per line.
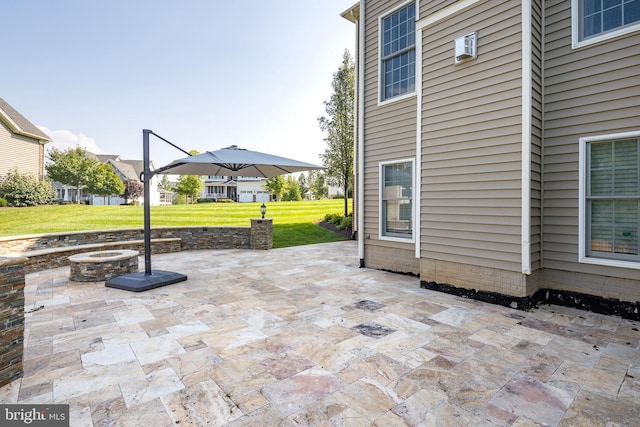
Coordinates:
x,y
294,223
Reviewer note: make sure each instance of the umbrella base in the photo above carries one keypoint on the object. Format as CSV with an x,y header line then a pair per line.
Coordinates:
x,y
137,282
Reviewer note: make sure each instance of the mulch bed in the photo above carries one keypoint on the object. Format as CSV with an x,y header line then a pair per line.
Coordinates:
x,y
346,233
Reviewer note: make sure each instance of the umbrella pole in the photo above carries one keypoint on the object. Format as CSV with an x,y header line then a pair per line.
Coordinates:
x,y
150,279
147,199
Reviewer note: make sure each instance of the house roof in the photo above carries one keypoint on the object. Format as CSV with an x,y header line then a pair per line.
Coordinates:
x,y
19,124
353,13
104,157
125,169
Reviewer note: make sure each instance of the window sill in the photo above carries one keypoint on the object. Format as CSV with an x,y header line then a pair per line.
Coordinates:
x,y
603,37
396,99
609,262
397,239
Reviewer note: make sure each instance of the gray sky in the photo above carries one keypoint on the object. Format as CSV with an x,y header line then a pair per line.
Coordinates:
x,y
202,74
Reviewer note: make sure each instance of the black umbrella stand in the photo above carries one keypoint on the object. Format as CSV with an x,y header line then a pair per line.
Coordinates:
x,y
137,282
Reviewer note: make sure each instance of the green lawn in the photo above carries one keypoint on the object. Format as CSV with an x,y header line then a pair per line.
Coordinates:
x,y
294,223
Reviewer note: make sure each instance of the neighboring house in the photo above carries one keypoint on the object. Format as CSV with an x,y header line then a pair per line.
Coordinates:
x,y
21,143
498,148
240,189
166,197
125,170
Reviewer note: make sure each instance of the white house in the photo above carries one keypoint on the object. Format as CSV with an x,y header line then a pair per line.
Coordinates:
x,y
239,189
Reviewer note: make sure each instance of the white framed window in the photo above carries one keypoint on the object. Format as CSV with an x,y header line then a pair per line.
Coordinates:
x,y
396,200
610,200
597,20
398,53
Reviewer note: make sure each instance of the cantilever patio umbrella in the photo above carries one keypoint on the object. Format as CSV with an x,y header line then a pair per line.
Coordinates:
x,y
230,161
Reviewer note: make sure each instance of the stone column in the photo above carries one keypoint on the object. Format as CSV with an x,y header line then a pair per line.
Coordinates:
x,y
261,233
11,318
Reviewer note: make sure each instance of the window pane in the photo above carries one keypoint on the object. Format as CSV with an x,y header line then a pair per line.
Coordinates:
x,y
625,168
626,227
600,16
612,18
613,205
397,200
602,225
601,167
592,25
601,183
398,218
631,12
592,6
398,55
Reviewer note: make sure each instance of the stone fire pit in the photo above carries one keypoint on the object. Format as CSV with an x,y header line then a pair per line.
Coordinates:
x,y
103,265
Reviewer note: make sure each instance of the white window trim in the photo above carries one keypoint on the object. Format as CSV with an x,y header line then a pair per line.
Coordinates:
x,y
380,73
575,29
413,201
582,226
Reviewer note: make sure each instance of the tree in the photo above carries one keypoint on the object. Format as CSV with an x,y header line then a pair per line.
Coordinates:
x,y
304,187
133,189
291,190
104,182
275,186
165,184
338,157
189,185
317,185
71,167
24,189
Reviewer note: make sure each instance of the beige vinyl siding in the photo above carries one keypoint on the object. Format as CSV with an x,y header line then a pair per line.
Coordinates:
x,y
471,149
593,90
20,152
389,134
536,134
430,7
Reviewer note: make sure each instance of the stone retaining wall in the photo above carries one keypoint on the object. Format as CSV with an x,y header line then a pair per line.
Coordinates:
x,y
193,238
11,318
43,259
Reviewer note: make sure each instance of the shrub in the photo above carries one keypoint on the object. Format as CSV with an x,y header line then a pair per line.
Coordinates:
x,y
23,189
3,202
345,222
333,218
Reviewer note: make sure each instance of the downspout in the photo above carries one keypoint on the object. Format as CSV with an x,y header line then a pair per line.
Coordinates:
x,y
418,172
526,138
360,140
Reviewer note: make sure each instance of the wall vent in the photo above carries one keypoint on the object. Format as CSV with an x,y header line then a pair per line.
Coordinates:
x,y
466,47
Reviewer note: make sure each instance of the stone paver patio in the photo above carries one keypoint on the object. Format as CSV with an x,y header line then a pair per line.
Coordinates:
x,y
302,336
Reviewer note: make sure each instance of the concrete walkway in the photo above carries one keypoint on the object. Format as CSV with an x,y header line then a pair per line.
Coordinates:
x,y
302,336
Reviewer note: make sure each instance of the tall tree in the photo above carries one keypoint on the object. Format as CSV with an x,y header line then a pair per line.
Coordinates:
x,y
275,186
304,187
189,185
291,190
338,157
317,185
70,167
104,182
165,184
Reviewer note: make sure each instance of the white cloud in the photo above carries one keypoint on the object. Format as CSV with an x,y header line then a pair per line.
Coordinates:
x,y
64,139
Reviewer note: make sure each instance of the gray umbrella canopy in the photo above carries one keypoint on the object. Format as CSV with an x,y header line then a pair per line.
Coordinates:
x,y
234,161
